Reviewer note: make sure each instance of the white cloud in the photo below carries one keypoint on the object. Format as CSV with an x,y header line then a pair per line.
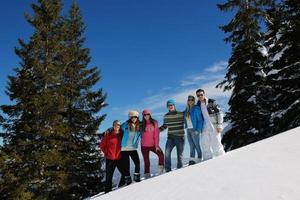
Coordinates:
x,y
217,67
210,90
192,80
189,84
211,73
197,80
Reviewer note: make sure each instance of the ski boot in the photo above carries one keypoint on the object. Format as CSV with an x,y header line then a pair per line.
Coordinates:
x,y
192,162
137,177
128,180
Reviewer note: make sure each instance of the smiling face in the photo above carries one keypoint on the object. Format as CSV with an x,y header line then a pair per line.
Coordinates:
x,y
116,127
201,96
134,119
191,102
147,117
171,107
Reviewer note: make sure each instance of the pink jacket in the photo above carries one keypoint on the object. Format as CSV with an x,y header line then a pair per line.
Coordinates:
x,y
150,137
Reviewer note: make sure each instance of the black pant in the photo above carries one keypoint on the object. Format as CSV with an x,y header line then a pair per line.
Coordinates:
x,y
110,168
126,163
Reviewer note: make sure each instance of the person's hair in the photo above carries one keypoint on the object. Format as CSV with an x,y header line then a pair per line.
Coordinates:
x,y
116,121
188,109
133,128
144,123
200,90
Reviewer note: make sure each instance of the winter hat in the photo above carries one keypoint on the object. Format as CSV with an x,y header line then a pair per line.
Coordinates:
x,y
146,112
133,113
191,97
171,102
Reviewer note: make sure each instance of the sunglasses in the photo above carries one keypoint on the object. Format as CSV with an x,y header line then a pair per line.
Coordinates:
x,y
170,105
190,99
200,95
134,117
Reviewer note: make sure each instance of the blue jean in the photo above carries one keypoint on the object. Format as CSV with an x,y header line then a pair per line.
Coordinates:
x,y
194,142
173,141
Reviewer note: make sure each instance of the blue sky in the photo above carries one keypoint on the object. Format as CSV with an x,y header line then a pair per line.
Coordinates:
x,y
147,51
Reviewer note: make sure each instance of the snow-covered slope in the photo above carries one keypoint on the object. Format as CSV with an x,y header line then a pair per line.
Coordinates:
x,y
268,170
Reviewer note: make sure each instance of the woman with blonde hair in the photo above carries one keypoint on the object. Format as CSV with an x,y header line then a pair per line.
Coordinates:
x,y
193,123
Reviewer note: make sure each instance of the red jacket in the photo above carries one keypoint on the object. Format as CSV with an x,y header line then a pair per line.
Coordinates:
x,y
111,145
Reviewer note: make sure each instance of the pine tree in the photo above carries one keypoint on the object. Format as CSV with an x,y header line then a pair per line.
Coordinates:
x,y
50,150
83,103
274,16
30,152
284,65
245,76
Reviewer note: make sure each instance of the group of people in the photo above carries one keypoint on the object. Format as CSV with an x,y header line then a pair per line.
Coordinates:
x,y
203,121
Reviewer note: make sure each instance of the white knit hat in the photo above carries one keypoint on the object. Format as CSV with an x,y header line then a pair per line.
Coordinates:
x,y
133,113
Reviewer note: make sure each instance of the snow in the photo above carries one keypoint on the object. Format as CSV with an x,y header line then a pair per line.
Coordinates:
x,y
253,131
263,50
268,169
242,91
276,71
261,73
278,35
252,99
282,112
279,54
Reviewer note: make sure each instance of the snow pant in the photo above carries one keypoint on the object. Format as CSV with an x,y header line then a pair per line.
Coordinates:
x,y
173,141
211,144
110,167
194,142
145,152
126,162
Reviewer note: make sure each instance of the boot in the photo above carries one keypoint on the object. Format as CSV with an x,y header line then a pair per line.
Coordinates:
x,y
122,181
128,180
137,177
160,169
192,162
147,175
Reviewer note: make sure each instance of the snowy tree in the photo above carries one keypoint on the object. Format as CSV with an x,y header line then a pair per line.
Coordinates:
x,y
284,64
246,73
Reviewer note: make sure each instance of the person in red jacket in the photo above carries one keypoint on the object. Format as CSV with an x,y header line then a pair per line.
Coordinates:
x,y
110,145
150,142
